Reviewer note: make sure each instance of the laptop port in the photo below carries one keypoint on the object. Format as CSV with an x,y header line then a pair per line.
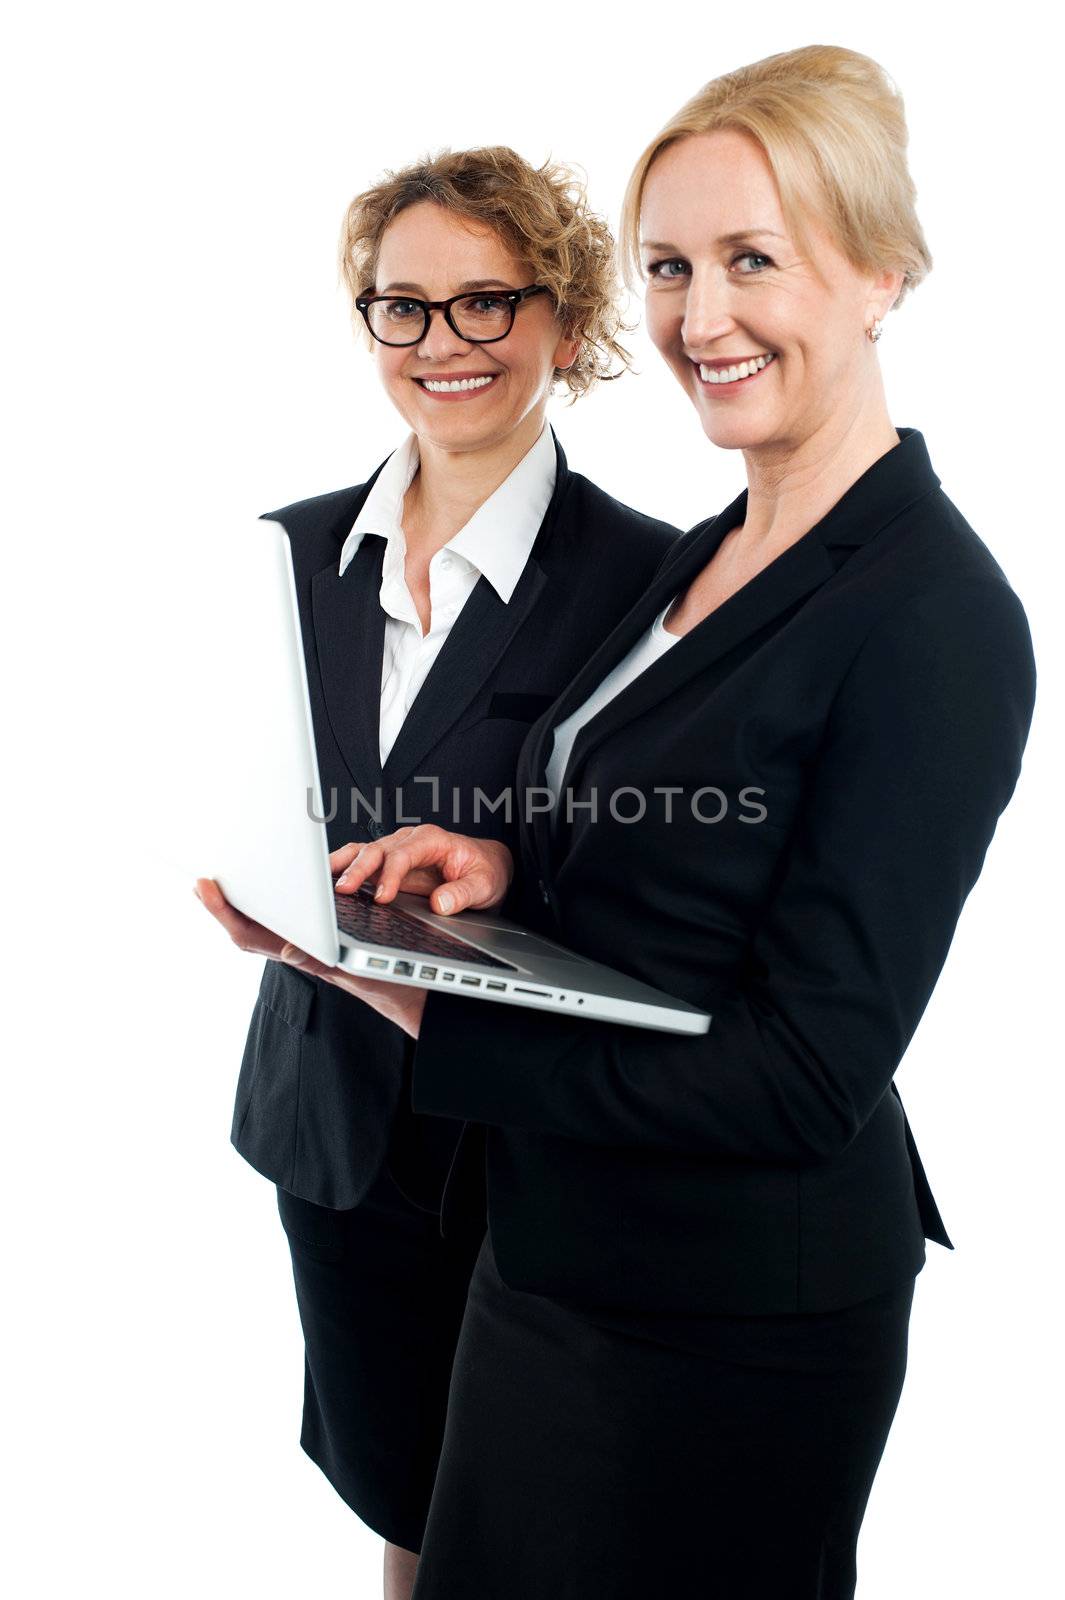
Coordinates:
x,y
427,972
544,994
447,977
404,969
377,962
472,983
494,983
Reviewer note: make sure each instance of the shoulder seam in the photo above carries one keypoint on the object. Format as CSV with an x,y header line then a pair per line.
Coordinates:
x,y
313,500
989,582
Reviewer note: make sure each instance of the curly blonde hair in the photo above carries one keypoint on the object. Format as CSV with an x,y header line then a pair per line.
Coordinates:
x,y
833,129
541,214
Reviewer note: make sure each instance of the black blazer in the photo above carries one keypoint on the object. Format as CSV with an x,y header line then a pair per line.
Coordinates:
x,y
871,690
322,1074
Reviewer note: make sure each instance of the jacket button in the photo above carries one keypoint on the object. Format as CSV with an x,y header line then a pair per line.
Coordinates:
x,y
374,829
544,896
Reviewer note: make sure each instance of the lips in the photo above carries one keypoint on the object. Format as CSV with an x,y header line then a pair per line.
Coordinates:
x,y
722,363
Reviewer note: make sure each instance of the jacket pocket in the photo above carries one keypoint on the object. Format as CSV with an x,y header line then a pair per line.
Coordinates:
x,y
266,1110
312,1230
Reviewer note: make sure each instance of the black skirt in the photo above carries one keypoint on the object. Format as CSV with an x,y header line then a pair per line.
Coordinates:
x,y
588,1457
381,1296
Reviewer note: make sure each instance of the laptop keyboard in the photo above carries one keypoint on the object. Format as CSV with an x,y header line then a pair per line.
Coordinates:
x,y
359,916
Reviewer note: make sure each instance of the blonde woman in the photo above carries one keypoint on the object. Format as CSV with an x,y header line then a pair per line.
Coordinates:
x,y
686,1333
446,601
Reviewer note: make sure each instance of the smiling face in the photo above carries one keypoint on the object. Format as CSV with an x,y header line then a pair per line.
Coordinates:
x,y
432,254
726,284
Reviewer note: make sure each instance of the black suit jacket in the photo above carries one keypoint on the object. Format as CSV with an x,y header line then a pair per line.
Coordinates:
x,y
875,683
322,1074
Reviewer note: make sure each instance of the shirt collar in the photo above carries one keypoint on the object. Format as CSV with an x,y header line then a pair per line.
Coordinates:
x,y
498,537
382,510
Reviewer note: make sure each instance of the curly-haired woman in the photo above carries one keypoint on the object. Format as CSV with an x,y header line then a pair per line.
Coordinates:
x,y
445,602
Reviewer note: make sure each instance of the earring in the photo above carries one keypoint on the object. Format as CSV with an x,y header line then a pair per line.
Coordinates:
x,y
876,330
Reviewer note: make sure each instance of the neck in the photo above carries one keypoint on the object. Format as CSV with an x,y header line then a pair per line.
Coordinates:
x,y
792,484
450,485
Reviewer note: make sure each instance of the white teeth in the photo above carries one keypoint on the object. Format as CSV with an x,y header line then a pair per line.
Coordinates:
x,y
456,385
731,374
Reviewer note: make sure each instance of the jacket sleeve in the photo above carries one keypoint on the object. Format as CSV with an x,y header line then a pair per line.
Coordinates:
x,y
921,753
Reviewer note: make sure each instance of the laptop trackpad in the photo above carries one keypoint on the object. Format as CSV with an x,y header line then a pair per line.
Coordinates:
x,y
473,925
515,942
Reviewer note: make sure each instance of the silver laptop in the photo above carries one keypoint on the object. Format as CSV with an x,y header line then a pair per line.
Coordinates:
x,y
271,848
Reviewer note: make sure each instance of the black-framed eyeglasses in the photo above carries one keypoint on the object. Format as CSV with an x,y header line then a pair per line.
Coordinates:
x,y
480,318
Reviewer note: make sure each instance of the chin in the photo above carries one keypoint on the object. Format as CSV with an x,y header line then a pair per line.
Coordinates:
x,y
731,433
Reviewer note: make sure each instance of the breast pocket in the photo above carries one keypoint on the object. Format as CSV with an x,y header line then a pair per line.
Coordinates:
x,y
267,1100
520,707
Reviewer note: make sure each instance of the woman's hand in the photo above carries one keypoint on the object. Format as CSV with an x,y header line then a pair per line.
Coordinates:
x,y
396,1002
455,872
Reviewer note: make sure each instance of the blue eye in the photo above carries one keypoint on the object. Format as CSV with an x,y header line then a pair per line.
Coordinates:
x,y
485,305
751,255
654,270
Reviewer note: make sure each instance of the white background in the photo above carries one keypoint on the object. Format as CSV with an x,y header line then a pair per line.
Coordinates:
x,y
178,356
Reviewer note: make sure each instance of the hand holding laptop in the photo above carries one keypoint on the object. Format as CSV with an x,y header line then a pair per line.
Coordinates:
x,y
417,860
401,1005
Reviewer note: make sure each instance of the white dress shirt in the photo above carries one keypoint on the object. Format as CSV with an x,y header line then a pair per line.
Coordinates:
x,y
495,544
648,648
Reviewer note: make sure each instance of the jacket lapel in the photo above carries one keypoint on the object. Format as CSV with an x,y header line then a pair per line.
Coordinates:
x,y
898,478
778,588
481,633
349,628
687,557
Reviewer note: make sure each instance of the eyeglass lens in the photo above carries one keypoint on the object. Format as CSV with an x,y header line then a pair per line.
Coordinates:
x,y
477,317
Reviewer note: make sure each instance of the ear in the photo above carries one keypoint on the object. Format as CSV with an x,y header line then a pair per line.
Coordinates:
x,y
885,291
566,352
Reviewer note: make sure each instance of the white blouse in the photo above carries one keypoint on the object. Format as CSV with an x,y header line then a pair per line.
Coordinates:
x,y
495,543
647,649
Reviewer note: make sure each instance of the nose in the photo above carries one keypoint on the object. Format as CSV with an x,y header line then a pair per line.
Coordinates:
x,y
706,310
440,341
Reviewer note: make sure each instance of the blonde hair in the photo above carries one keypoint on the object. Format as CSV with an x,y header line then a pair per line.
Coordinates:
x,y
832,126
542,216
